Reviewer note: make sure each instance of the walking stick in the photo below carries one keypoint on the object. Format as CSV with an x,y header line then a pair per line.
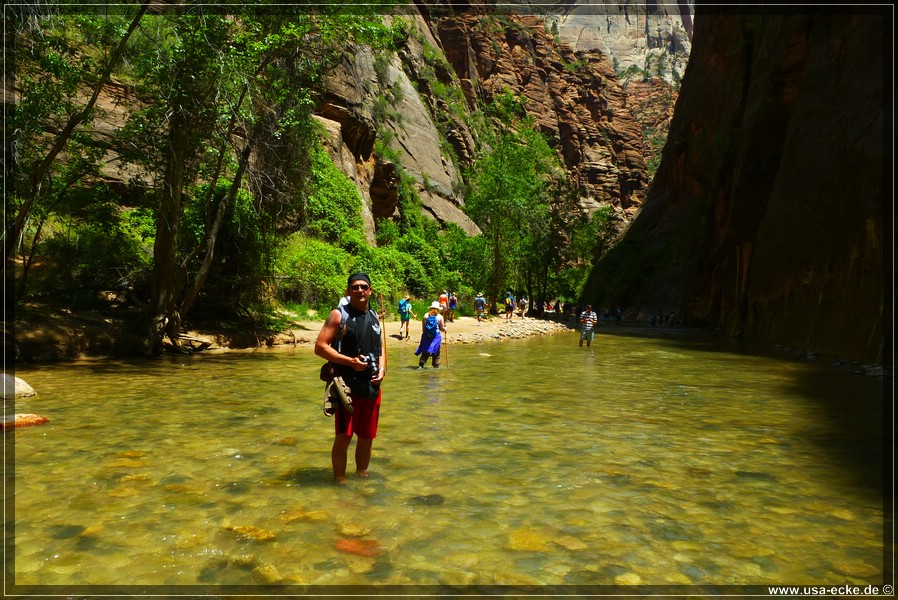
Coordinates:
x,y
447,349
383,326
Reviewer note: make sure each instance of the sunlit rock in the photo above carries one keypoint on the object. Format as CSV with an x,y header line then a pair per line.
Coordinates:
x,y
315,516
844,514
628,579
13,387
528,540
354,530
266,574
251,532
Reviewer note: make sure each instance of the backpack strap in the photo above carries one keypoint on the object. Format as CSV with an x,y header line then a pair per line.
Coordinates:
x,y
344,316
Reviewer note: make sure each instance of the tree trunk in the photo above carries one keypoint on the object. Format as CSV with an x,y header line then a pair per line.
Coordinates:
x,y
212,234
164,278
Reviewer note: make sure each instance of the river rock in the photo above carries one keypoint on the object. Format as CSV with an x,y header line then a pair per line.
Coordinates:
x,y
22,420
354,530
314,516
251,532
528,540
428,500
628,579
13,387
359,547
266,574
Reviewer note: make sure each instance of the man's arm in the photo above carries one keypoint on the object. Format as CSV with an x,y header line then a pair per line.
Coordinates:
x,y
329,332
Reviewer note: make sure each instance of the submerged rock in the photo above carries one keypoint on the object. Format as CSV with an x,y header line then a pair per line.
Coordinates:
x,y
428,500
528,540
359,547
251,532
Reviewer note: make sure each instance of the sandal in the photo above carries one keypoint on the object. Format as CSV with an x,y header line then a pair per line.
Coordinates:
x,y
342,391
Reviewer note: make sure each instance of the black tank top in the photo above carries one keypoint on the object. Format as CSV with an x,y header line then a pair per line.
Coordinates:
x,y
361,336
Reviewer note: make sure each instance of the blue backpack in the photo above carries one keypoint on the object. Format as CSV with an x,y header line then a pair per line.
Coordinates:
x,y
430,326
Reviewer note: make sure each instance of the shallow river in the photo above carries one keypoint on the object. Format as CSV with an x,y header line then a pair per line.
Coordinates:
x,y
642,461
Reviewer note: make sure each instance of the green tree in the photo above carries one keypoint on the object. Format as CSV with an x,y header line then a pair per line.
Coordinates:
x,y
509,197
231,96
54,76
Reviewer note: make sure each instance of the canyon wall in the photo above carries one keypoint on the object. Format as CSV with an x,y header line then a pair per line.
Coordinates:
x,y
767,217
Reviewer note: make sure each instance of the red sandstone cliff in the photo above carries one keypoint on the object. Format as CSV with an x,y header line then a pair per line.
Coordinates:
x,y
575,98
768,216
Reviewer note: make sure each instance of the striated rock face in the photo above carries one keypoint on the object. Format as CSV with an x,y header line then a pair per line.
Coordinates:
x,y
652,102
653,37
767,216
574,97
358,89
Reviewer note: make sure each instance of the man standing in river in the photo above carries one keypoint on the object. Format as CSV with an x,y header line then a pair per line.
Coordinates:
x,y
352,341
588,320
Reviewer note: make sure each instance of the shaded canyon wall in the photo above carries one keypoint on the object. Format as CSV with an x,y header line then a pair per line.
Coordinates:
x,y
767,217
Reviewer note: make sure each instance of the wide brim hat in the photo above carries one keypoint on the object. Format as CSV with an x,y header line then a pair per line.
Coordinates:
x,y
480,294
435,305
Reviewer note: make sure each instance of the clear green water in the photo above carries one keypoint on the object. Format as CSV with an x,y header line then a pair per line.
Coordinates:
x,y
527,462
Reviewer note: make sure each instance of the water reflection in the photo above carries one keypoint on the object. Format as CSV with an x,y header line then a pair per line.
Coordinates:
x,y
638,461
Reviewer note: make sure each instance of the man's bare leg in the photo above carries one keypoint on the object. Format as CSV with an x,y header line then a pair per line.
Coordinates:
x,y
338,456
362,456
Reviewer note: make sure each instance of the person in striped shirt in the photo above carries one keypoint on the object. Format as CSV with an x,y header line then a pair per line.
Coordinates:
x,y
588,320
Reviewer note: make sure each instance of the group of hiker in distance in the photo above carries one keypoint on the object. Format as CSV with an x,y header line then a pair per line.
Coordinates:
x,y
353,343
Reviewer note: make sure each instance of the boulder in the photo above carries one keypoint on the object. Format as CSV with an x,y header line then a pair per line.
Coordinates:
x,y
13,388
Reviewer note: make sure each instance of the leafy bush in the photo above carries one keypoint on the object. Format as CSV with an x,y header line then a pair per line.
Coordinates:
x,y
334,205
98,255
387,232
311,271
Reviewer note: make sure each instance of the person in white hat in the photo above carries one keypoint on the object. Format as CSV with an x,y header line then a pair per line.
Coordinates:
x,y
480,306
432,327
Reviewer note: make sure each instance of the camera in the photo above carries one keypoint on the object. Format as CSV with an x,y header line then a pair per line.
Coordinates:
x,y
372,368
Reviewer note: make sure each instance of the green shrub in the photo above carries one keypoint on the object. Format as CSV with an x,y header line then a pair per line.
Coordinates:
x,y
311,271
334,205
387,232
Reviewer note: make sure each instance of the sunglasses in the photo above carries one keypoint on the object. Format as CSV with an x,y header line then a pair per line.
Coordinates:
x,y
361,287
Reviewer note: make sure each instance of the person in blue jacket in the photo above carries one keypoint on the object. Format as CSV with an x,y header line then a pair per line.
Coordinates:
x,y
432,327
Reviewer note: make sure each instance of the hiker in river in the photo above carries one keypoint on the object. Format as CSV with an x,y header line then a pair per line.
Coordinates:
x,y
432,325
588,320
352,342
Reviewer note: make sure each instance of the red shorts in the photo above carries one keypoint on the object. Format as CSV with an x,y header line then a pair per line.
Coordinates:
x,y
362,421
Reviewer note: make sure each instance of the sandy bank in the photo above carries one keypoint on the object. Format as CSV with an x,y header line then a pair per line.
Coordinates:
x,y
463,330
